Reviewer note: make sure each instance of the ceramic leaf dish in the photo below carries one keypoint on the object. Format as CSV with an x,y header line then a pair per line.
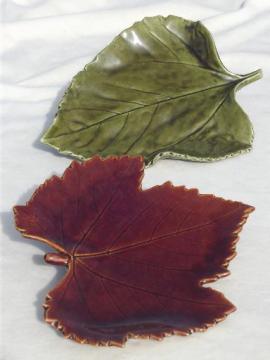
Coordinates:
x,y
136,264
159,90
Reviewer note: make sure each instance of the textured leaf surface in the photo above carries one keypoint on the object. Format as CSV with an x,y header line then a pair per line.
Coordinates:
x,y
136,259
158,90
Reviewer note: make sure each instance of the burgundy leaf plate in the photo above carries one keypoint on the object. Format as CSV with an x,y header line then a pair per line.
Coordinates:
x,y
136,259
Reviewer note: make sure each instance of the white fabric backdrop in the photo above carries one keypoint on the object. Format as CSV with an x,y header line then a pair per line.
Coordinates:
x,y
43,44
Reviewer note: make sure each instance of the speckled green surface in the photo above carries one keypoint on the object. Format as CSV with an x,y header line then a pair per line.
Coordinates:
x,y
159,90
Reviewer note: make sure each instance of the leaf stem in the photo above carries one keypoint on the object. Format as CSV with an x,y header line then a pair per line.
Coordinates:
x,y
249,78
57,259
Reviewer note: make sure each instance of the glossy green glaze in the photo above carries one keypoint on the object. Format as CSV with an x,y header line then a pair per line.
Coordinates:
x,y
158,89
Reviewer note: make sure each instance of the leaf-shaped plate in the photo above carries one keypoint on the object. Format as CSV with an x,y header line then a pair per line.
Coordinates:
x,y
136,263
158,89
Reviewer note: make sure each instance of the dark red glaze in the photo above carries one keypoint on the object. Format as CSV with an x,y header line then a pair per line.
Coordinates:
x,y
136,258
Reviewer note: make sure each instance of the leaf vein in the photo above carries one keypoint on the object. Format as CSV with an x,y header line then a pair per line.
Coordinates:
x,y
144,130
111,298
156,37
124,284
92,225
117,134
127,226
128,260
195,131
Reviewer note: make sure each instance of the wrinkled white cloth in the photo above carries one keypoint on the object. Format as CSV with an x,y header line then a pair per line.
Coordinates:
x,y
43,44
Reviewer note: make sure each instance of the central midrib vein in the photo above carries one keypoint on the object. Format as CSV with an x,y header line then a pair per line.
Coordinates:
x,y
147,242
143,106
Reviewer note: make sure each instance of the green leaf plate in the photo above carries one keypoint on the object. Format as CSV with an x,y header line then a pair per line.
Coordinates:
x,y
160,90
